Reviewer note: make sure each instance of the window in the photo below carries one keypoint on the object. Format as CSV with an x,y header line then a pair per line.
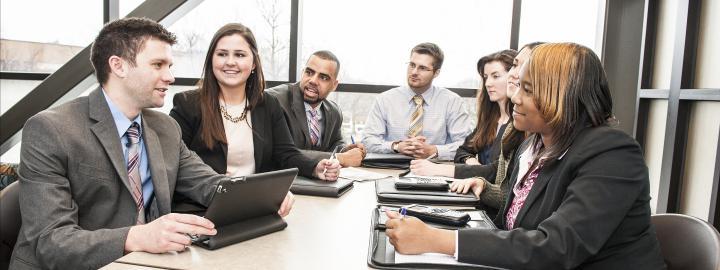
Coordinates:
x,y
581,22
35,37
269,20
374,40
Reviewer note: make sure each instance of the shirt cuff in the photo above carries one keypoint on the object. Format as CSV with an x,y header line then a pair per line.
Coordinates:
x,y
457,239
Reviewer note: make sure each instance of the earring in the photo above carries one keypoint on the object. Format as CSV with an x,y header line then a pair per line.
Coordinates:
x,y
252,72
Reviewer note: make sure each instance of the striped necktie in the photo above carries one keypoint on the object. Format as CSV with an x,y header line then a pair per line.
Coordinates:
x,y
133,168
314,127
416,119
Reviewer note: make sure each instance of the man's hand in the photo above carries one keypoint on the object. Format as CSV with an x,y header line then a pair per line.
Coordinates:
x,y
287,204
167,233
422,149
351,158
428,168
327,169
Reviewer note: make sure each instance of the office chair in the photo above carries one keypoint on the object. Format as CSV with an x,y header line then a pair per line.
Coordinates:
x,y
10,221
687,242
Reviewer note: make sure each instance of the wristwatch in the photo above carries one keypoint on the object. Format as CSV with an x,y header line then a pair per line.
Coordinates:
x,y
396,146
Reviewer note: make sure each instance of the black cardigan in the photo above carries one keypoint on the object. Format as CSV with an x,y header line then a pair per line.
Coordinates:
x,y
589,209
274,148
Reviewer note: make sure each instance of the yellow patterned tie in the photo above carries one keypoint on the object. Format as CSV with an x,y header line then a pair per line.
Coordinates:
x,y
416,119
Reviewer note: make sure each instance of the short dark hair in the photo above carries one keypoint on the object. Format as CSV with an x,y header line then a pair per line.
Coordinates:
x,y
432,50
328,55
124,38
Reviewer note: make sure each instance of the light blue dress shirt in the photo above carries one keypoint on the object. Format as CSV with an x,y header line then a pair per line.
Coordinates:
x,y
321,119
446,121
123,123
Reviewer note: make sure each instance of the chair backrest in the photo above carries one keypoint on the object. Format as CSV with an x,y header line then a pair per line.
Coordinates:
x,y
10,221
687,242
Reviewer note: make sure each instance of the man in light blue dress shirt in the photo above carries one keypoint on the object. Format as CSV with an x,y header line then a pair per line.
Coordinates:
x,y
442,125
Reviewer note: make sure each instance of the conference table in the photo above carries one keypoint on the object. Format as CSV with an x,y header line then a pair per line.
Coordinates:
x,y
322,233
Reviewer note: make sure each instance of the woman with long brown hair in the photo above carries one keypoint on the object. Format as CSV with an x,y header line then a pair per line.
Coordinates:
x,y
580,188
231,124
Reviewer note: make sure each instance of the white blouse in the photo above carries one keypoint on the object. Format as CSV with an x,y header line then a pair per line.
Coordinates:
x,y
241,152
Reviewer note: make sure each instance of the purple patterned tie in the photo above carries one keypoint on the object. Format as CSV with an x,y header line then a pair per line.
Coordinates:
x,y
314,127
133,168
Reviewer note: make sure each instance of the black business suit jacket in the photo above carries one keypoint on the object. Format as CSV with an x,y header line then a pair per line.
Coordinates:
x,y
290,98
487,169
274,148
589,210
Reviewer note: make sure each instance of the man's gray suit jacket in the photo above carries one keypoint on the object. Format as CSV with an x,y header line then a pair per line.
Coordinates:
x,y
75,199
290,97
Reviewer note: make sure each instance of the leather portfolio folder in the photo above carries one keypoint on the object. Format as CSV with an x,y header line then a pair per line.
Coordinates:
x,y
381,254
387,193
386,161
315,187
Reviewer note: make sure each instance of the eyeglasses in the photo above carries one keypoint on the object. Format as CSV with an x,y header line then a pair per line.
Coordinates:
x,y
420,68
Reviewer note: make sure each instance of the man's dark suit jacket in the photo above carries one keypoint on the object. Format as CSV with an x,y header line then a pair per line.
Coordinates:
x,y
75,198
274,148
290,97
589,209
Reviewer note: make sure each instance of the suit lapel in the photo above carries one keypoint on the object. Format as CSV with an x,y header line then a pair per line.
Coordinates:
x,y
298,108
328,120
157,167
546,173
258,117
107,133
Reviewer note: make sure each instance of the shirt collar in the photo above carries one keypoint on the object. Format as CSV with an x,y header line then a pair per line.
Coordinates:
x,y
427,96
308,107
122,123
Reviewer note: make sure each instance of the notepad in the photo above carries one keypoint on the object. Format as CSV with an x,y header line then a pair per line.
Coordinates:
x,y
433,258
360,175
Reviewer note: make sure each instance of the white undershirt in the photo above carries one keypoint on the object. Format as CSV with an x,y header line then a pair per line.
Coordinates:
x,y
241,152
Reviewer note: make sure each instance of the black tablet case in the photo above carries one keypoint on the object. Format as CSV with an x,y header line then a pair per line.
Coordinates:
x,y
381,257
253,227
314,187
386,161
387,193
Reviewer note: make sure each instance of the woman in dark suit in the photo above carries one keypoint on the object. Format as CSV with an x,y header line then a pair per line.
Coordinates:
x,y
580,188
231,124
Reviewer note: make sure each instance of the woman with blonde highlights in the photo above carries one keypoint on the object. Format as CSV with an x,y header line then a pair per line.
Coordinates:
x,y
580,189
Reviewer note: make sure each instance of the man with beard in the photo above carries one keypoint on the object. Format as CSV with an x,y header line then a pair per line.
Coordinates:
x,y
304,102
419,120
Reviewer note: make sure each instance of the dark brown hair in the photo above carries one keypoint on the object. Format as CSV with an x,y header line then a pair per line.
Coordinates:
x,y
124,38
432,50
570,90
488,112
212,130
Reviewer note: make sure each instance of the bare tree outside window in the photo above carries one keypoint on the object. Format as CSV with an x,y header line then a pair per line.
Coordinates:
x,y
274,59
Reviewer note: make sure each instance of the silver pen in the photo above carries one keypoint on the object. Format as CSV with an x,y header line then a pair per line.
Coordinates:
x,y
332,157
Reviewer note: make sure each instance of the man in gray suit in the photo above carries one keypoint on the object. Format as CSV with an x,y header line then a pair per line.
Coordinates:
x,y
97,174
315,123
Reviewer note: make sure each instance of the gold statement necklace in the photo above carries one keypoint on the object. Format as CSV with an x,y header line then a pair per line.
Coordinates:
x,y
231,118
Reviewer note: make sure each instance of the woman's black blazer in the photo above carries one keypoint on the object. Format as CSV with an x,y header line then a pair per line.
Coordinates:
x,y
274,148
589,209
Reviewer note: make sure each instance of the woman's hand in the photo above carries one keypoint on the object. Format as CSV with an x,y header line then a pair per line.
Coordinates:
x,y
472,161
428,168
409,235
463,186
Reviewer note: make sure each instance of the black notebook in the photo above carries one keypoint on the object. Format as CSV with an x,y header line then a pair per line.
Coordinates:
x,y
315,187
244,208
386,161
387,193
381,254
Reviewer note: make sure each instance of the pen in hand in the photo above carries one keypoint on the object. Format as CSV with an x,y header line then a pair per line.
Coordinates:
x,y
332,157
